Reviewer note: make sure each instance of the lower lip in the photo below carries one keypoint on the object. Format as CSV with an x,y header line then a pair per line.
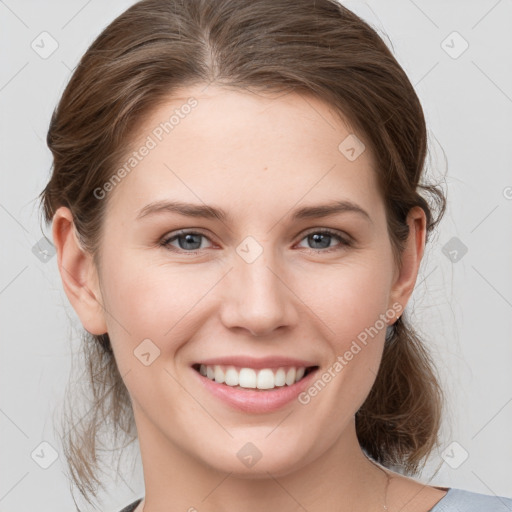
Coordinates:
x,y
256,401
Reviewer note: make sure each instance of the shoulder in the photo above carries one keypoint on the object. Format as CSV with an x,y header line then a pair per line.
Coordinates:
x,y
459,500
408,495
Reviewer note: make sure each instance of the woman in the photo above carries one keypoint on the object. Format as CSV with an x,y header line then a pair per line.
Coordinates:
x,y
237,214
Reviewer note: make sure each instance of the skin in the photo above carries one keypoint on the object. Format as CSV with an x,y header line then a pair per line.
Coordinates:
x,y
259,158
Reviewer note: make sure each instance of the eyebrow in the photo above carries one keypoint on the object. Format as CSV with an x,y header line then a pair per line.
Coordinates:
x,y
210,212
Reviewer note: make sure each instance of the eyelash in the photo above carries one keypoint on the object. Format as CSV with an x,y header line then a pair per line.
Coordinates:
x,y
344,242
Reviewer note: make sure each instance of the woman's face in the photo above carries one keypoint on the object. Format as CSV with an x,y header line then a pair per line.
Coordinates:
x,y
260,287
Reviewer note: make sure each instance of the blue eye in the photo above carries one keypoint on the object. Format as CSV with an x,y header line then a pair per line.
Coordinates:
x,y
190,241
323,238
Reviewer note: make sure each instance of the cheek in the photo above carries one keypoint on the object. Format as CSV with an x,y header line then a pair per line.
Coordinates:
x,y
156,301
351,300
348,298
352,305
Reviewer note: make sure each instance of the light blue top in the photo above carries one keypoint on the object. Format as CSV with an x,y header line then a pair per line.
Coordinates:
x,y
458,500
455,500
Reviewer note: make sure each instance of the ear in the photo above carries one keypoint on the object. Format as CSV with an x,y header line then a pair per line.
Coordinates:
x,y
405,277
78,273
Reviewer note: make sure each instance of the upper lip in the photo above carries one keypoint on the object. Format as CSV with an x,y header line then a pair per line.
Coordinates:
x,y
252,362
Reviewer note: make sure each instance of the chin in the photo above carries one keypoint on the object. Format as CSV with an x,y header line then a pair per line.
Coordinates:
x,y
255,460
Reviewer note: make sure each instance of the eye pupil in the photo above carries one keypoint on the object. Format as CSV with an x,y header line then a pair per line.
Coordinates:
x,y
189,239
318,237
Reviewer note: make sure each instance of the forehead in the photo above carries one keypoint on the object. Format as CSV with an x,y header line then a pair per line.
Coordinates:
x,y
210,144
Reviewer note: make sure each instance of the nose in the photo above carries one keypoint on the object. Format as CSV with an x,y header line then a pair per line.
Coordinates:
x,y
258,297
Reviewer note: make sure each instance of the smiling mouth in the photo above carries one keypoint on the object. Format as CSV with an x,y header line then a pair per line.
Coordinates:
x,y
263,379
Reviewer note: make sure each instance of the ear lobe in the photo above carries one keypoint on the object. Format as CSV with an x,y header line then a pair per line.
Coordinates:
x,y
406,276
78,273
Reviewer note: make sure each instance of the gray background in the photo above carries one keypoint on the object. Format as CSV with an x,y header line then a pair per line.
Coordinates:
x,y
462,303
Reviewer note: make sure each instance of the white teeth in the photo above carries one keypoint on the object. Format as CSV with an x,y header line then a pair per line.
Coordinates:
x,y
231,378
280,377
290,376
247,378
219,374
250,378
266,379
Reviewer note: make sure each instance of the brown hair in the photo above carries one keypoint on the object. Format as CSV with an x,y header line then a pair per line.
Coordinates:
x,y
314,47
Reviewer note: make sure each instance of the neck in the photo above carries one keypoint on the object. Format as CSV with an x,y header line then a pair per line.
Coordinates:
x,y
341,479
